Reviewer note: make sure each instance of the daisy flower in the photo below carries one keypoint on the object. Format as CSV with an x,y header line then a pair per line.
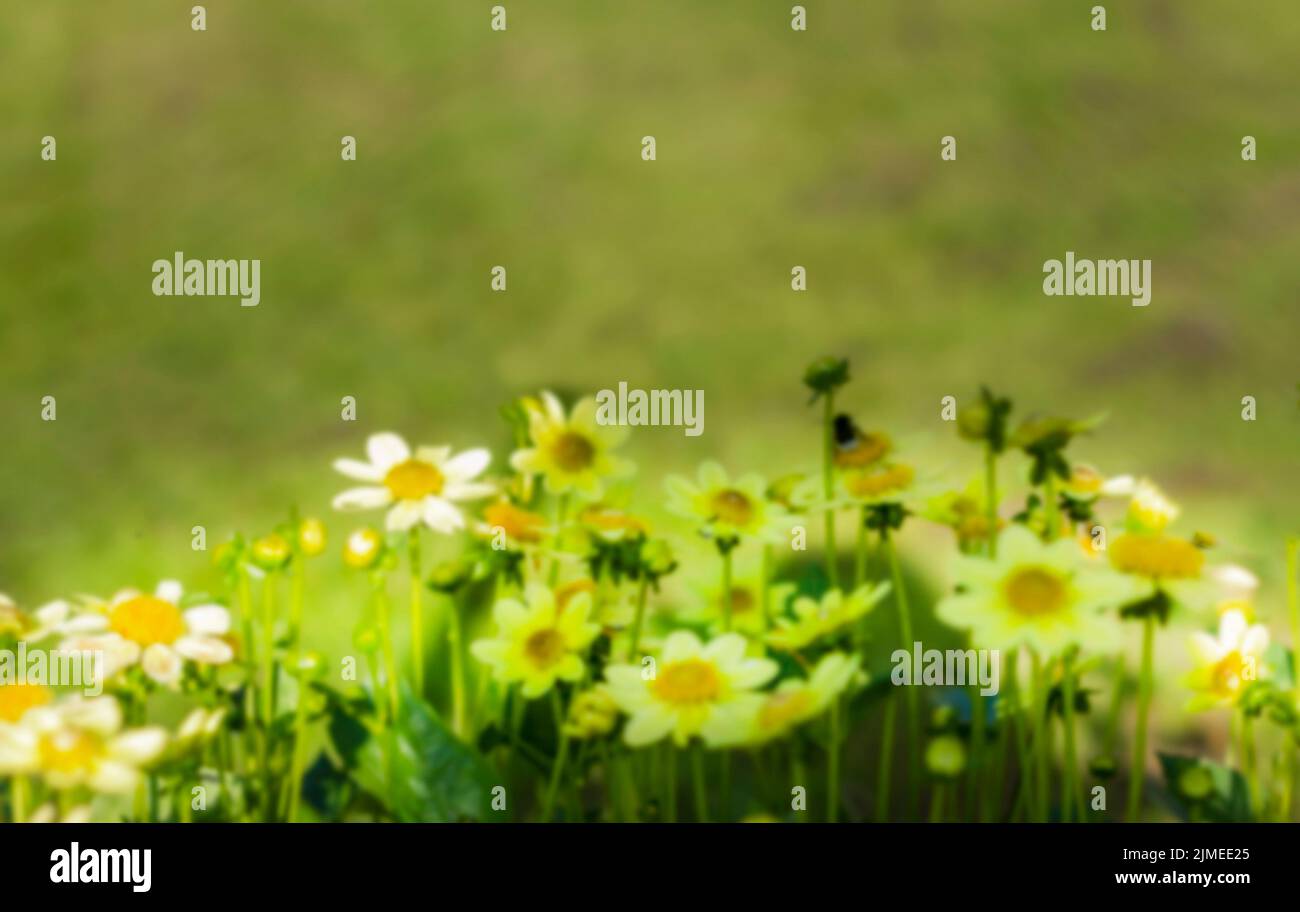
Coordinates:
x,y
79,742
830,615
538,641
521,527
571,452
726,510
707,602
795,701
1046,596
157,632
1226,663
696,689
423,487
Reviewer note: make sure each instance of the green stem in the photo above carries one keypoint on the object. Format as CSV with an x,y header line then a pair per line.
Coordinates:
x,y
642,590
670,786
298,586
833,766
860,552
560,756
977,728
697,776
456,645
991,495
913,709
383,615
417,613
1248,764
726,589
883,784
19,798
268,650
1069,788
1145,684
936,803
299,756
1042,734
828,487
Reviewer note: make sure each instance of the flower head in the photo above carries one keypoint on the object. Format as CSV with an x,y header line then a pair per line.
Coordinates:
x,y
157,632
829,616
1045,596
795,701
1226,663
727,510
538,641
571,452
695,689
420,487
79,742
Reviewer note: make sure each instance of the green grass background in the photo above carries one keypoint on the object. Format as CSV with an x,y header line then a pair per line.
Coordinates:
x,y
478,148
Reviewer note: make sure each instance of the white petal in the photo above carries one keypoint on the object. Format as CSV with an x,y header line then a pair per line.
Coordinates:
x,y
101,715
138,747
114,777
441,516
169,591
54,613
208,620
387,450
466,465
468,490
404,515
162,664
367,498
204,650
358,470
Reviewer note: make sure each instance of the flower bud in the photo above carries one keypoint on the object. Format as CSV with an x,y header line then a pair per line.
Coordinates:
x,y
271,552
311,537
363,549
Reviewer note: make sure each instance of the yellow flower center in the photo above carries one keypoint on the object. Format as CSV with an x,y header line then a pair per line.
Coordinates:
x,y
16,699
868,448
742,600
1156,556
414,480
1033,592
573,452
782,709
519,525
545,647
688,683
1226,676
70,751
146,620
881,481
732,507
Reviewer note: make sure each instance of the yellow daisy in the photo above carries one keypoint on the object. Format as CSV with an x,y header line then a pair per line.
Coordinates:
x,y
833,614
571,452
539,641
420,487
1227,663
1045,596
727,510
695,689
795,701
706,603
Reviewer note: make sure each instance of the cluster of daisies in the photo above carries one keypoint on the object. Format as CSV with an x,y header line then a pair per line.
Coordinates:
x,y
723,637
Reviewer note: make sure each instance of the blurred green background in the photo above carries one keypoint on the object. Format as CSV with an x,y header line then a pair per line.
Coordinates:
x,y
522,148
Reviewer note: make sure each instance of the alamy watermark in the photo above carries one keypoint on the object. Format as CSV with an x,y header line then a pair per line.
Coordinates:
x,y
201,278
1129,278
671,408
54,668
947,668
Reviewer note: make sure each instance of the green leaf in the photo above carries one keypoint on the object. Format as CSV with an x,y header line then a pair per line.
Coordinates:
x,y
421,771
1203,791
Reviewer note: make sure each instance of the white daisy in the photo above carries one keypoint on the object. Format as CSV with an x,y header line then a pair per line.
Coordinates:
x,y
153,630
420,488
